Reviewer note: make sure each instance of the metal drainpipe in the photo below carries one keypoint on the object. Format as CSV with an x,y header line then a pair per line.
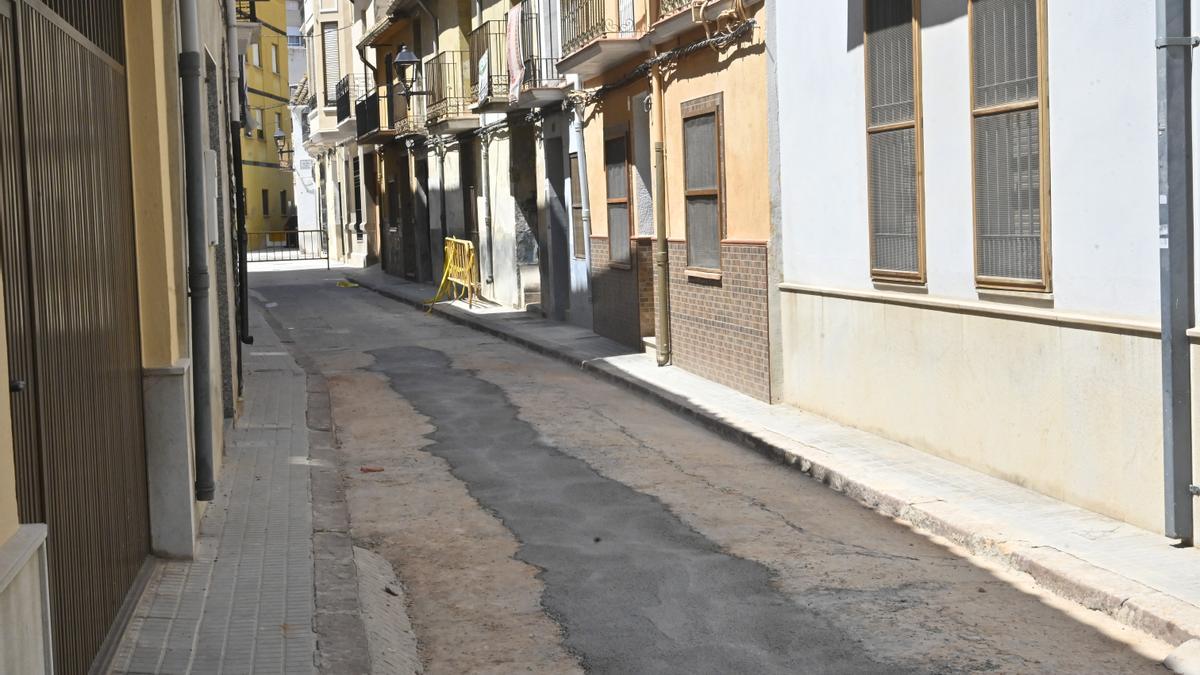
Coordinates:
x,y
487,204
662,281
1176,257
233,103
198,280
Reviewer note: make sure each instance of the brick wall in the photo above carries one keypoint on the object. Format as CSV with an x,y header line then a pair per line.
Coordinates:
x,y
614,298
644,252
719,327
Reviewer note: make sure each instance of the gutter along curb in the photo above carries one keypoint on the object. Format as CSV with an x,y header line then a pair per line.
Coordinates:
x,y
1136,605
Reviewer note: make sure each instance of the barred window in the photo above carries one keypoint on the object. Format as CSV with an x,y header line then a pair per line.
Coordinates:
x,y
1011,247
703,175
892,47
577,231
616,176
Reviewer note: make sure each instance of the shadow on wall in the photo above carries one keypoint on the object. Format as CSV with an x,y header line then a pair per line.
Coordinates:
x,y
932,14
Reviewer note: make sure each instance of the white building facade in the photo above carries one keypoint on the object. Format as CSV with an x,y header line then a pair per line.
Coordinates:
x,y
968,244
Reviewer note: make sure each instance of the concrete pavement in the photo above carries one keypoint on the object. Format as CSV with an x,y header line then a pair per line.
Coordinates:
x,y
484,474
1129,574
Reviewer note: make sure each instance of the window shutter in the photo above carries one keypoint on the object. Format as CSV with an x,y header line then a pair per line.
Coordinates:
x,y
892,140
1008,201
577,209
333,73
702,210
616,171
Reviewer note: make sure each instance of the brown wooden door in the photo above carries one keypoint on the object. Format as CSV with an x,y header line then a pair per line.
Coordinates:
x,y
67,244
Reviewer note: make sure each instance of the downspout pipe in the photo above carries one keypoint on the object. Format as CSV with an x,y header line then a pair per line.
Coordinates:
x,y
487,203
190,73
1176,218
662,280
233,102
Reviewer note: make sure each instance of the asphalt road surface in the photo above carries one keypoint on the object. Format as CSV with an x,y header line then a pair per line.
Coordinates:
x,y
541,520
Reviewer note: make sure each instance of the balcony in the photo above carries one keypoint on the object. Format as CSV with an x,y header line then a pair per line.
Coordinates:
x,y
407,117
366,116
489,63
596,36
349,89
540,82
668,7
448,77
674,19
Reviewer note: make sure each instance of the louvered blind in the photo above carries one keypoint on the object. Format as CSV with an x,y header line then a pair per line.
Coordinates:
x,y
892,138
577,209
702,180
333,67
616,173
1008,200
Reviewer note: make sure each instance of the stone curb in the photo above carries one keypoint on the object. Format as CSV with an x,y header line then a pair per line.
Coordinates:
x,y
1140,607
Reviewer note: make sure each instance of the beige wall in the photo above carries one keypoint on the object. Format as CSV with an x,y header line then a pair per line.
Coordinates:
x,y
158,195
1070,411
740,75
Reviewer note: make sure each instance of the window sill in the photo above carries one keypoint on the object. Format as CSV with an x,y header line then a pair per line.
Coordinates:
x,y
700,273
913,286
620,265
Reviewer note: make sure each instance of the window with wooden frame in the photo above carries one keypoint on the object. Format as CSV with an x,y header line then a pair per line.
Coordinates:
x,y
895,203
579,236
704,181
616,178
331,64
1011,162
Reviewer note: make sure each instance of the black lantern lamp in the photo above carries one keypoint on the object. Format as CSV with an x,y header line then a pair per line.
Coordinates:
x,y
408,65
285,155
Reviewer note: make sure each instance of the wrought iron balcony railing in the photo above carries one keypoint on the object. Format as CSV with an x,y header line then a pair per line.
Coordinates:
x,y
448,77
246,10
587,20
669,7
349,89
540,64
489,60
366,114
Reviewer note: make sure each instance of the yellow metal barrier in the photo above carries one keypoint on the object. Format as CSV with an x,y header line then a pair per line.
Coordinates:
x,y
461,276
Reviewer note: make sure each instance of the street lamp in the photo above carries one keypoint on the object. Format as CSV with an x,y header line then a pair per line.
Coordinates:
x,y
405,60
285,155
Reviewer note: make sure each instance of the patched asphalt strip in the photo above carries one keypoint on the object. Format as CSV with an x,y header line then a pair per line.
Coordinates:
x,y
635,588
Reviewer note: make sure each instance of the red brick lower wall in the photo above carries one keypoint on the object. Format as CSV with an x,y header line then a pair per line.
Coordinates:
x,y
614,297
645,279
719,327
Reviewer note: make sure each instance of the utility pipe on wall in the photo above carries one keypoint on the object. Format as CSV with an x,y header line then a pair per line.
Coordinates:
x,y
487,203
662,264
233,103
1176,257
198,281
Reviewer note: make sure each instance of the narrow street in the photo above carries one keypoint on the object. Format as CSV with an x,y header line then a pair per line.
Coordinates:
x,y
542,520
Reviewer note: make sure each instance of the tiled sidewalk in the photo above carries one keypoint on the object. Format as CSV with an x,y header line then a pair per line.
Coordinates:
x,y
245,604
1131,574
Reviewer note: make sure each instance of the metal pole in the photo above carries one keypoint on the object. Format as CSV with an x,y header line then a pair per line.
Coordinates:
x,y
1176,257
198,281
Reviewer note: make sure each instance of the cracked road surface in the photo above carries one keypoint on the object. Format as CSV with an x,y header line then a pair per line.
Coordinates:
x,y
542,520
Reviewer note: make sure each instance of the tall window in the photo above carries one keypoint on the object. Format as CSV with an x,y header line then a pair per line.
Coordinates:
x,y
357,176
703,176
894,140
266,202
332,67
255,56
275,58
258,122
279,121
283,203
616,176
577,232
1008,105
